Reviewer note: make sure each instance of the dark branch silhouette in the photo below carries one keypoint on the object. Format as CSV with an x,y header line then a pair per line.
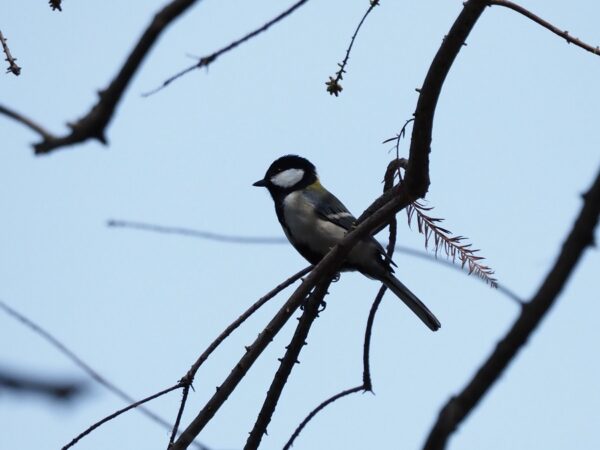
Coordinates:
x,y
93,124
311,312
84,366
563,34
119,412
209,235
12,65
205,61
333,85
55,390
46,135
269,240
459,406
188,379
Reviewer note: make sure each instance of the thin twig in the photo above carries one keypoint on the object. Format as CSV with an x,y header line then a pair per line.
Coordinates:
x,y
46,135
333,85
118,413
207,60
12,65
563,34
238,239
311,312
188,379
459,406
318,409
94,123
62,348
208,235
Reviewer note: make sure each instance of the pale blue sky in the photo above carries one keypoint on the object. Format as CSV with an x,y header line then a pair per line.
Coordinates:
x,y
515,143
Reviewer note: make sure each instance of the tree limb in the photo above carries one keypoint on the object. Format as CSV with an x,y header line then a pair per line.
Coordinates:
x,y
417,173
205,61
93,124
311,311
188,379
94,374
563,34
459,406
12,65
118,413
46,135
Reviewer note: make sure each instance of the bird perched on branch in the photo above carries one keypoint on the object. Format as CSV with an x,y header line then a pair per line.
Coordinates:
x,y
314,220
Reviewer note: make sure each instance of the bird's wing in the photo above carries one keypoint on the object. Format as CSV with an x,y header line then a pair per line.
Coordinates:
x,y
328,207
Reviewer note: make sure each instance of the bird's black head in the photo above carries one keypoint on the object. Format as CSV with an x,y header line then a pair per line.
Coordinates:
x,y
288,173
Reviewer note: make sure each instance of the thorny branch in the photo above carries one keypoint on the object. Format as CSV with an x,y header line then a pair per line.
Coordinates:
x,y
311,312
188,379
563,34
12,65
333,85
207,60
459,406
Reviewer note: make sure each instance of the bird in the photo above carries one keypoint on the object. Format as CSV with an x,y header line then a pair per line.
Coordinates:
x,y
314,220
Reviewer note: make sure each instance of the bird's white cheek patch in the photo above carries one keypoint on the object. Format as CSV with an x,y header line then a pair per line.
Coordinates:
x,y
287,178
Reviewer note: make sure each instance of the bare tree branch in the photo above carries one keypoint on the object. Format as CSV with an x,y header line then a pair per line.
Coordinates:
x,y
84,366
93,124
459,406
46,135
188,379
333,85
118,413
311,311
563,34
207,60
12,65
237,239
57,390
417,173
209,235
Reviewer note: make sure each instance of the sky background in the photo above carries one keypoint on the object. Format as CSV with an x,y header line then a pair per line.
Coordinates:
x,y
515,144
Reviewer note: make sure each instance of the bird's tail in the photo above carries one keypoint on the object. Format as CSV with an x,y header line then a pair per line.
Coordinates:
x,y
411,301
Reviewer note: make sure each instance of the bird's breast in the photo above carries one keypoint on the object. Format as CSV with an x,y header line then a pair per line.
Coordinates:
x,y
305,227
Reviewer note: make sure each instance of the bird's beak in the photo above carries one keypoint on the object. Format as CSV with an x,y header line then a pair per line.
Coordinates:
x,y
260,183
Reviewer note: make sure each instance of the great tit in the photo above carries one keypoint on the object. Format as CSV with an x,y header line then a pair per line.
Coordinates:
x,y
314,220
